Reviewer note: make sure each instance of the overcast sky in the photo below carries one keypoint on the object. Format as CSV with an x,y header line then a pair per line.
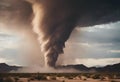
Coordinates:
x,y
93,46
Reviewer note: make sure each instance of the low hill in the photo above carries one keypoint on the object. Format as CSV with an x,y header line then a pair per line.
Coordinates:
x,y
4,68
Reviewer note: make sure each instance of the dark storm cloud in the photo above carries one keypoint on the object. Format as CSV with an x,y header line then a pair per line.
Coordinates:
x,y
15,11
59,18
62,16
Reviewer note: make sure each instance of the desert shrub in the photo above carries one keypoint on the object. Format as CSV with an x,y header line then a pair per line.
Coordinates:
x,y
50,77
95,76
16,79
84,78
9,79
70,77
87,75
40,77
28,80
105,78
63,81
113,81
32,78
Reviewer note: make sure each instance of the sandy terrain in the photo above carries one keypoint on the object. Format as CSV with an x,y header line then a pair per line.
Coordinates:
x,y
67,80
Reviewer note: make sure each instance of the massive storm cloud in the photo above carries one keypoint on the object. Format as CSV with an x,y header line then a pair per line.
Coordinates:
x,y
54,20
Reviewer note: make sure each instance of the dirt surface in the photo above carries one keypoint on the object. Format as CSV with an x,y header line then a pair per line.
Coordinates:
x,y
67,80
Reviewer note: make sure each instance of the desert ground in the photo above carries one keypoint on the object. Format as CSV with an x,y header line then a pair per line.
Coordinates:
x,y
37,77
69,80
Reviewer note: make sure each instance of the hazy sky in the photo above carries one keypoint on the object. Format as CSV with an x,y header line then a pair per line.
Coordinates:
x,y
9,48
92,46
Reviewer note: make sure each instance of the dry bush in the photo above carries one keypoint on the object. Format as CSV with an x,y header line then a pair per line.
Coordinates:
x,y
84,78
9,79
16,79
95,76
104,78
113,81
51,77
63,81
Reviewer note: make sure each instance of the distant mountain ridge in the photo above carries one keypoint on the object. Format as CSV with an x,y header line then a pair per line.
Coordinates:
x,y
4,68
81,67
109,68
